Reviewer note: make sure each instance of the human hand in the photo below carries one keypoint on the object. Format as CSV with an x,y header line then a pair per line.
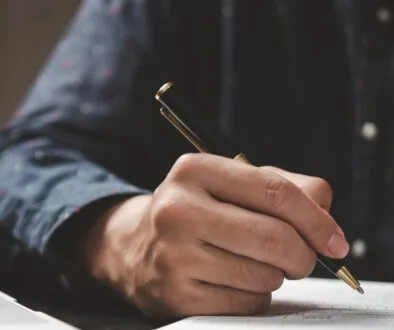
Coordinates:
x,y
317,189
216,237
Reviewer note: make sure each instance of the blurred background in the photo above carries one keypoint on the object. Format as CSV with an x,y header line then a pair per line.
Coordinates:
x,y
28,31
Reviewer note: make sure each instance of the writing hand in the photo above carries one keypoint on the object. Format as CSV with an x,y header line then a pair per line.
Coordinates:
x,y
216,237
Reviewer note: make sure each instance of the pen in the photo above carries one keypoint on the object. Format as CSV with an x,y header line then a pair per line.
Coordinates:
x,y
177,110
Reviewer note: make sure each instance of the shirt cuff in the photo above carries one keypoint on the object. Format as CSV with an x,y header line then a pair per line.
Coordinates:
x,y
63,248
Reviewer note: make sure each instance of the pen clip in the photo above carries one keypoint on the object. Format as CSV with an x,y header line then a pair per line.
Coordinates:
x,y
184,129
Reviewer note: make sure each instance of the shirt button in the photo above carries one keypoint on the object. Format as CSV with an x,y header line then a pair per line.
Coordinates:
x,y
383,15
358,249
369,131
227,11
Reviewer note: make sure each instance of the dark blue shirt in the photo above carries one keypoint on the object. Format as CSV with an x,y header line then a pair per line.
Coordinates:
x,y
301,84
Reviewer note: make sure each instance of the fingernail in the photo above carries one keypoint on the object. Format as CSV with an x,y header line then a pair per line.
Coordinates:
x,y
337,246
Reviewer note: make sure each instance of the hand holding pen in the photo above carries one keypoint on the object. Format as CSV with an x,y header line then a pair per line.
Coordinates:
x,y
282,189
217,236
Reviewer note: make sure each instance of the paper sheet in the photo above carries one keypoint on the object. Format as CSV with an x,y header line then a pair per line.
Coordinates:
x,y
13,314
312,304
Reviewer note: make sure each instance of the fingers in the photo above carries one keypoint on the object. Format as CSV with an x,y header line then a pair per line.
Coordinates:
x,y
239,231
219,300
268,193
189,298
262,238
220,267
317,189
202,280
217,236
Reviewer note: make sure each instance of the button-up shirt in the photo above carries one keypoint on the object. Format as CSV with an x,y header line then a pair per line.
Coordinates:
x,y
300,84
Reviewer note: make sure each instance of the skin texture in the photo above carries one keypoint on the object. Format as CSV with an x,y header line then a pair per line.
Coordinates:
x,y
215,238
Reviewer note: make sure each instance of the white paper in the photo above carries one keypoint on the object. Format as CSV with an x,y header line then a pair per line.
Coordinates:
x,y
312,304
16,316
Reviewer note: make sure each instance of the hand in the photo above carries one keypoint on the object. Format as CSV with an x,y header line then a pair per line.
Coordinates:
x,y
315,188
216,237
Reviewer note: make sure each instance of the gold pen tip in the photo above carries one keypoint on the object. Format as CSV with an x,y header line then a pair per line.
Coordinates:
x,y
360,289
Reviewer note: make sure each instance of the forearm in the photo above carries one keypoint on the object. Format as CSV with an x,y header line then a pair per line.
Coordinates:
x,y
69,145
43,195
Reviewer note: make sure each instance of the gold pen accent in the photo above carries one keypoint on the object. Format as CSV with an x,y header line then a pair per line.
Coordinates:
x,y
184,130
343,273
242,158
163,89
193,139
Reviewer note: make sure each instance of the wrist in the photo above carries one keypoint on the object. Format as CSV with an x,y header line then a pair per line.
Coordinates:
x,y
106,239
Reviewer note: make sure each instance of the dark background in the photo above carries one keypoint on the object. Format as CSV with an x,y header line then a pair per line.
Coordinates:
x,y
28,31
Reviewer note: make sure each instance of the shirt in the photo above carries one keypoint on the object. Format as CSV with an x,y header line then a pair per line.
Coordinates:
x,y
299,84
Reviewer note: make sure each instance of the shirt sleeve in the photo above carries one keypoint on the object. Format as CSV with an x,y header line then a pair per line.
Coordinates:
x,y
75,141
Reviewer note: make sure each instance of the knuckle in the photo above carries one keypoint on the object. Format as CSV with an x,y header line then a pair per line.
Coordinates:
x,y
274,280
163,259
307,265
277,192
323,189
323,185
166,212
185,166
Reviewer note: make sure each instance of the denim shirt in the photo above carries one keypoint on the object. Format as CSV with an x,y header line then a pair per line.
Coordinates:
x,y
300,84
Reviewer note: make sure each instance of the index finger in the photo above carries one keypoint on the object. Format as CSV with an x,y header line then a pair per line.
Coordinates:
x,y
316,188
266,192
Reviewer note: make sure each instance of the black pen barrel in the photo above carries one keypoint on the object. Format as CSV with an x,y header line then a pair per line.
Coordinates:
x,y
208,132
